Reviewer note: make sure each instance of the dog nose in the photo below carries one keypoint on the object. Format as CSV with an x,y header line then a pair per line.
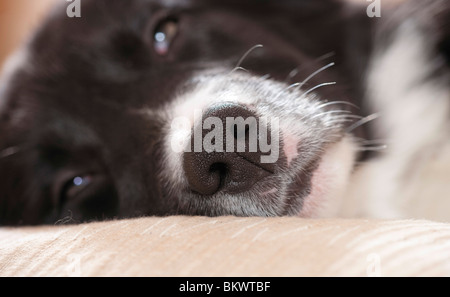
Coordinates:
x,y
230,170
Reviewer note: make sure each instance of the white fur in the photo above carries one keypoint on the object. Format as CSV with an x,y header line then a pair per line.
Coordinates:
x,y
330,181
411,179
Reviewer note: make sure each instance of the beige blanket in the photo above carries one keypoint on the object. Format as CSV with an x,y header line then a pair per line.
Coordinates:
x,y
228,246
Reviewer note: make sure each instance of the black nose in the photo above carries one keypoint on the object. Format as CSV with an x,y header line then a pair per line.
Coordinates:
x,y
231,170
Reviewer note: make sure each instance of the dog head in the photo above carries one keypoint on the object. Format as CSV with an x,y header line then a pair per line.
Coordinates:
x,y
166,107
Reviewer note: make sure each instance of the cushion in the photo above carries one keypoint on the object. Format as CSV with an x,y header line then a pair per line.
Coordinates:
x,y
228,246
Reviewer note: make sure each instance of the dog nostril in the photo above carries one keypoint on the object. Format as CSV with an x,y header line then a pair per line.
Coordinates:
x,y
206,173
221,170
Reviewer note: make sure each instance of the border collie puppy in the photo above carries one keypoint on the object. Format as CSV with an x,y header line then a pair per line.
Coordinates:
x,y
229,107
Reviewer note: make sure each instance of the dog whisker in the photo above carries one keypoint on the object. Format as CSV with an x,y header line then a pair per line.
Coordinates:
x,y
237,69
325,129
265,77
326,56
370,142
286,89
363,121
337,102
238,65
334,119
315,73
349,116
294,72
329,112
317,87
371,145
65,220
339,121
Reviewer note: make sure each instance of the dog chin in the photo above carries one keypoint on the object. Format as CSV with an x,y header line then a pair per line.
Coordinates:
x,y
330,180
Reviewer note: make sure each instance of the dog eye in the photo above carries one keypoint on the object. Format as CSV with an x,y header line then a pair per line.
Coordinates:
x,y
87,196
164,35
75,186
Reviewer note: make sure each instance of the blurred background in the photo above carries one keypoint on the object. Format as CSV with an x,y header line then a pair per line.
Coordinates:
x,y
17,18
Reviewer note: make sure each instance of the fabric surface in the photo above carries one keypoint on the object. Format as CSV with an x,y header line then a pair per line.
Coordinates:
x,y
228,246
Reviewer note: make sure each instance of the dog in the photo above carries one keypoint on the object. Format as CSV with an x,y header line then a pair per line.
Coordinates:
x,y
246,108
